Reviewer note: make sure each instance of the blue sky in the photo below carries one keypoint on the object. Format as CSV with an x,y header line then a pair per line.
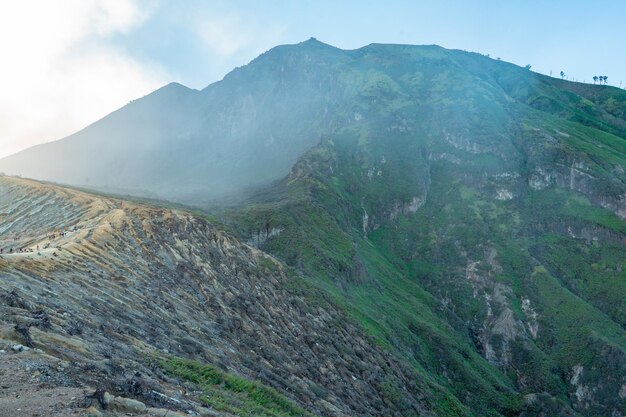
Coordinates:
x,y
580,38
67,64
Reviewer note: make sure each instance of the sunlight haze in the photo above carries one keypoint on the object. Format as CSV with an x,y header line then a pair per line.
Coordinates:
x,y
67,64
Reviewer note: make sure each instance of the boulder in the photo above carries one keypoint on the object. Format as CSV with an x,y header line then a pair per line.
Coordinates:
x,y
127,405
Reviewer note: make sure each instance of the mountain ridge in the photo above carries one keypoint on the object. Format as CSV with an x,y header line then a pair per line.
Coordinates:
x,y
149,131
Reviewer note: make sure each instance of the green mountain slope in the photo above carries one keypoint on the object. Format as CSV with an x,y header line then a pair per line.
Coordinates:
x,y
471,229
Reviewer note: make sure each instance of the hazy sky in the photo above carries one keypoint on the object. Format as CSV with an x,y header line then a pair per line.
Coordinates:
x,y
67,63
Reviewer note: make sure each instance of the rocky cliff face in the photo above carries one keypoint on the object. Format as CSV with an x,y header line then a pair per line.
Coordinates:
x,y
99,285
521,251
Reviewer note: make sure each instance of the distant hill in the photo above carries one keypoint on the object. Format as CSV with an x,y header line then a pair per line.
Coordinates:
x,y
192,146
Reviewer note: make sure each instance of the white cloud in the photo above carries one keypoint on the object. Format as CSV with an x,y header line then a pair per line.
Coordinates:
x,y
229,34
225,35
59,70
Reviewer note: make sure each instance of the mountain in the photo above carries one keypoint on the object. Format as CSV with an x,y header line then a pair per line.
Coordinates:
x,y
465,218
248,130
483,196
193,146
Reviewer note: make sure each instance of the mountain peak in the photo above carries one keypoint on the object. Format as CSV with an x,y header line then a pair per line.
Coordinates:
x,y
175,85
172,87
314,43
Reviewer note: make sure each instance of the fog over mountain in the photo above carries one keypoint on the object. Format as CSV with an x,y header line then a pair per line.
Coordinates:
x,y
250,128
190,146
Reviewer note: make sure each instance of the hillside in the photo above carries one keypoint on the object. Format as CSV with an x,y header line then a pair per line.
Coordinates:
x,y
427,232
489,198
123,297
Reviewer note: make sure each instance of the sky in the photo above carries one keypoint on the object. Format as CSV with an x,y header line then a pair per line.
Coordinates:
x,y
66,64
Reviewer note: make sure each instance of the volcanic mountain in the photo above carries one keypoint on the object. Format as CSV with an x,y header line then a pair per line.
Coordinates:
x,y
407,230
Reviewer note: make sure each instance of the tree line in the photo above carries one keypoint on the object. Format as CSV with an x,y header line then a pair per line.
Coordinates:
x,y
600,78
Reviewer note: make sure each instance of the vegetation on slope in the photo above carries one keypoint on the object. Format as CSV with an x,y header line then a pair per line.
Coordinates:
x,y
472,232
466,213
229,393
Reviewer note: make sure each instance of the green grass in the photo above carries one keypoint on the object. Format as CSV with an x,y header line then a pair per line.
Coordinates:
x,y
405,266
229,393
322,239
575,324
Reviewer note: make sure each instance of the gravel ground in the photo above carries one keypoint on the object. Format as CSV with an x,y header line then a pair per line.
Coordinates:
x,y
23,394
